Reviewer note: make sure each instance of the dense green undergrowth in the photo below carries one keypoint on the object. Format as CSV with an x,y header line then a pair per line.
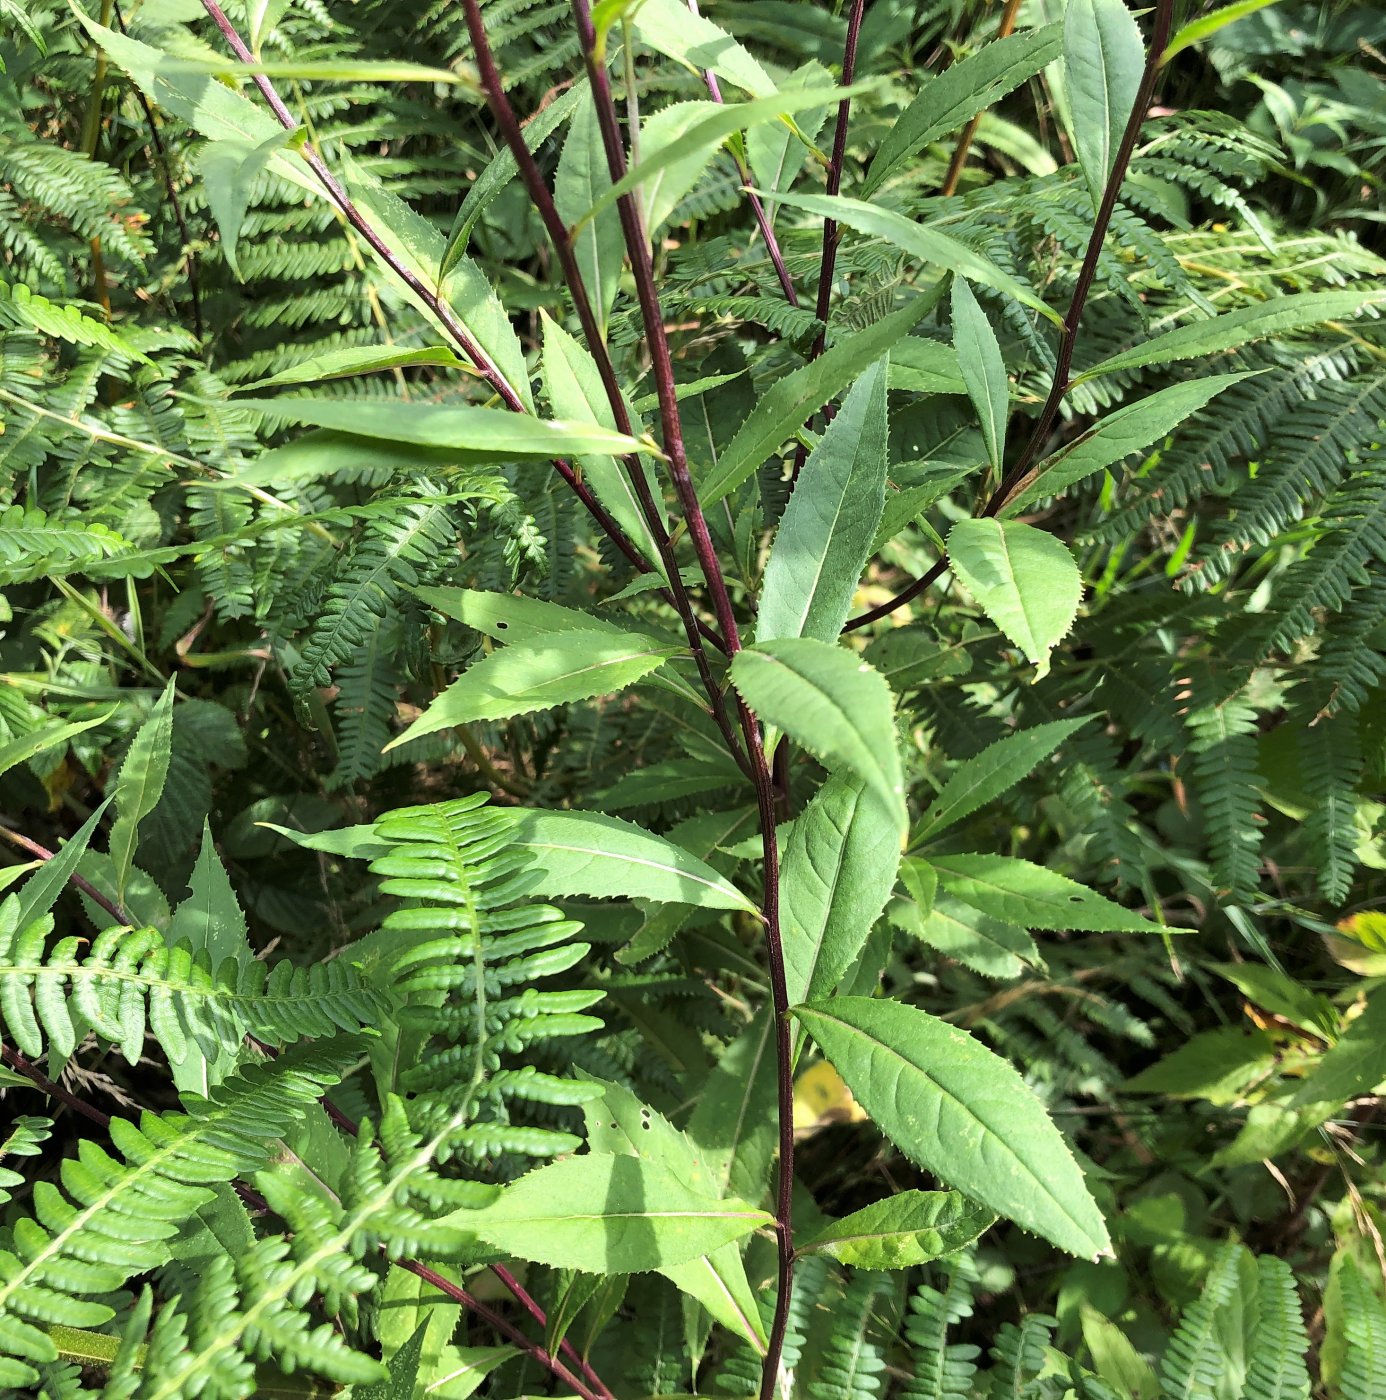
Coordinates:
x,y
692,703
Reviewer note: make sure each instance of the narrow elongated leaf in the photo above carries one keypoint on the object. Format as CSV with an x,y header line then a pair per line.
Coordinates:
x,y
962,1112
983,369
991,947
901,1231
574,386
356,359
40,892
590,854
776,153
1205,26
956,95
1233,328
733,1122
787,403
551,670
229,170
510,617
140,783
51,736
609,1214
582,179
1024,579
920,241
926,367
988,774
1033,896
1130,429
495,432
832,703
1103,61
838,870
1356,1064
677,32
825,534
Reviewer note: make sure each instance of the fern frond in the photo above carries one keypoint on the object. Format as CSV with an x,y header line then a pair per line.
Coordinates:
x,y
1195,1359
35,545
1223,743
1278,1339
943,1370
1363,1373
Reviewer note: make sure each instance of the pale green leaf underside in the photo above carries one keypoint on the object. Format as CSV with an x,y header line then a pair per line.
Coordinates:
x,y
901,1231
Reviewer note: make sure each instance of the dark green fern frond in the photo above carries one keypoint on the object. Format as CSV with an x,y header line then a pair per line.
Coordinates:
x,y
1278,1340
943,1369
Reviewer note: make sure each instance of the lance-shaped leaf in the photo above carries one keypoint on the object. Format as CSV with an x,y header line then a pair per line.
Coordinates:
x,y
608,1214
954,928
1198,339
583,177
140,784
901,1231
825,534
783,408
1024,579
511,617
1103,60
40,891
1356,1064
837,873
1033,896
983,369
916,240
600,857
550,670
733,1122
1130,429
832,703
676,31
956,95
493,432
229,170
574,386
988,774
959,1110
356,359
51,736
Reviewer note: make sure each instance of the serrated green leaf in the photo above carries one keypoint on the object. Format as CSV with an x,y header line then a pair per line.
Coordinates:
x,y
836,875
1130,429
1024,579
1033,896
1356,1064
917,240
40,892
986,775
832,703
962,1112
51,736
583,177
689,38
356,359
494,432
825,534
601,857
991,947
901,1231
983,369
609,1214
1280,314
229,170
511,617
783,408
949,99
1103,61
1218,1065
140,783
1205,26
553,669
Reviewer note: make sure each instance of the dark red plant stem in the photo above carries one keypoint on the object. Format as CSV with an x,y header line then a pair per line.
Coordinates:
x,y
54,1090
533,180
831,232
87,888
1012,481
489,370
521,1295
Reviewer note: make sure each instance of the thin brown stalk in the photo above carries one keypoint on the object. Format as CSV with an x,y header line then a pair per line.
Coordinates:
x,y
955,166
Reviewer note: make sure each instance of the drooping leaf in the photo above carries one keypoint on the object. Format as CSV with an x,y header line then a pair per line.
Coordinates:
x,y
574,386
988,774
591,854
356,359
1024,579
1197,339
916,240
229,170
788,402
492,432
550,670
901,1231
1103,61
583,177
836,874
832,703
983,369
1033,896
825,534
689,38
1132,428
959,1110
949,99
609,1214
989,946
140,783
